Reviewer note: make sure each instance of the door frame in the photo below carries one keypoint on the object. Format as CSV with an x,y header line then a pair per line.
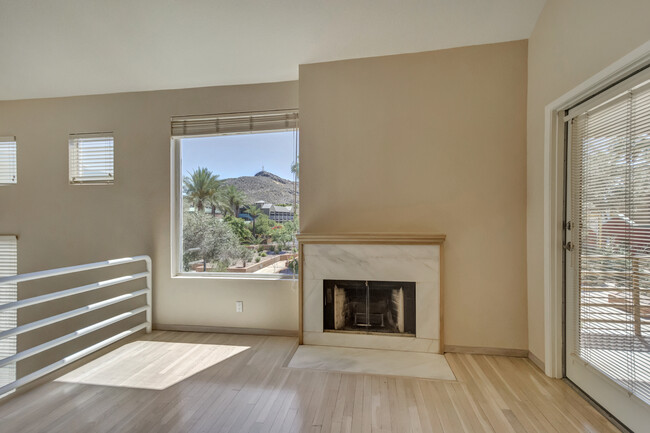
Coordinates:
x,y
554,186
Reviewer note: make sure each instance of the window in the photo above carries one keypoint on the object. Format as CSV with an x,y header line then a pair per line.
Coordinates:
x,y
608,283
236,194
7,160
8,267
91,158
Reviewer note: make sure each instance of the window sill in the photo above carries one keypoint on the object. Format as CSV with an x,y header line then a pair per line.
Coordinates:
x,y
232,276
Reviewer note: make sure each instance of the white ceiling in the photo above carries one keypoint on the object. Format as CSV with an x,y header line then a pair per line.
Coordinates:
x,y
78,47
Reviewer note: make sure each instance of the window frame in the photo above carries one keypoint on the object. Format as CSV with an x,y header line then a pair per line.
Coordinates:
x,y
72,138
585,372
8,141
553,218
176,207
10,243
554,141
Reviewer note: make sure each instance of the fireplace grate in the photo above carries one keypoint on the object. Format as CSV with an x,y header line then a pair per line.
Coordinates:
x,y
369,320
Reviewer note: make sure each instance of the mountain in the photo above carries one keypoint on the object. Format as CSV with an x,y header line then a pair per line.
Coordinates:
x,y
263,186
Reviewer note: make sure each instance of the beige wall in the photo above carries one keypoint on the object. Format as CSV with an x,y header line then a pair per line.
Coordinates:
x,y
60,224
429,142
572,41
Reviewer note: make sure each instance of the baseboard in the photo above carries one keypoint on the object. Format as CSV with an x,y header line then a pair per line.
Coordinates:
x,y
535,360
518,353
226,330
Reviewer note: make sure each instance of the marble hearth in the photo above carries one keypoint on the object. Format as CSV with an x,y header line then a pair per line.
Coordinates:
x,y
339,258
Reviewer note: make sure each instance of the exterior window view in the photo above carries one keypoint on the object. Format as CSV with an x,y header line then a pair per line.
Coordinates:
x,y
240,203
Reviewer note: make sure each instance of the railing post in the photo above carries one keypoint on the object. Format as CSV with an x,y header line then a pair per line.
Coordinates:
x,y
147,309
148,295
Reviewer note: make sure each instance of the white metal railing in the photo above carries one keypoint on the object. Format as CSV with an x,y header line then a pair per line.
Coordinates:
x,y
4,390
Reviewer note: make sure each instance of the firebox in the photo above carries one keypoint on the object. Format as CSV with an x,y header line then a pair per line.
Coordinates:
x,y
386,307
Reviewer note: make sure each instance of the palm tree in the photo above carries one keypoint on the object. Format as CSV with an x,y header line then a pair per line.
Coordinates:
x,y
234,198
200,185
254,212
217,201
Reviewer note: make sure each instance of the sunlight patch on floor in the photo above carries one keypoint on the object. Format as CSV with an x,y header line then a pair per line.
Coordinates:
x,y
151,364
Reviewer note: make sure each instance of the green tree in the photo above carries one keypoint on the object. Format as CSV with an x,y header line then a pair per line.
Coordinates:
x,y
245,255
200,186
263,227
254,212
233,198
217,202
283,234
293,265
240,227
208,239
292,226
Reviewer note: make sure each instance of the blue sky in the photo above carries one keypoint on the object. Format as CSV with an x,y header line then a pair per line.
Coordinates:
x,y
240,155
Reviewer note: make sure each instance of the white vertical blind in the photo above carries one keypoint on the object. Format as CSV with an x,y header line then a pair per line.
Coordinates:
x,y
7,160
8,293
610,166
91,158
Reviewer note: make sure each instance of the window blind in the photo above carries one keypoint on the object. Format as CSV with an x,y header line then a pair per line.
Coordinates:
x,y
8,293
610,204
236,123
7,160
91,158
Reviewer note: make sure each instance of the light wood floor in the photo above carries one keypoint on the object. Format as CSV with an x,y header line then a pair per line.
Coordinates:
x,y
194,382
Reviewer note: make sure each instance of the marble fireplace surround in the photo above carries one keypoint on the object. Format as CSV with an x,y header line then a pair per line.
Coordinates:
x,y
376,257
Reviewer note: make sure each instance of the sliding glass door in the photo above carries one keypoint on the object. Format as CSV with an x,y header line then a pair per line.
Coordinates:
x,y
608,250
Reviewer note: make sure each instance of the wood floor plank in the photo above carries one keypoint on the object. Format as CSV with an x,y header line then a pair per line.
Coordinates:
x,y
484,394
204,383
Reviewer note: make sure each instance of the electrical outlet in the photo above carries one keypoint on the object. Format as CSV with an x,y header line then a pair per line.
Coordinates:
x,y
239,306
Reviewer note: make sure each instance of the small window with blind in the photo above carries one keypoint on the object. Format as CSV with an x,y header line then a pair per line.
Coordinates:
x,y
91,159
8,160
8,293
236,194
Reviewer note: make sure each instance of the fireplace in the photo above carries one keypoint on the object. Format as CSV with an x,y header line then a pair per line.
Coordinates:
x,y
371,307
339,309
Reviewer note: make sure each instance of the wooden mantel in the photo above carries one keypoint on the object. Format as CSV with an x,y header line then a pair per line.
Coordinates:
x,y
366,239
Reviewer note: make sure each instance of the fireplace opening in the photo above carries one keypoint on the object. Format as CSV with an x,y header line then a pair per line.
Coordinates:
x,y
386,307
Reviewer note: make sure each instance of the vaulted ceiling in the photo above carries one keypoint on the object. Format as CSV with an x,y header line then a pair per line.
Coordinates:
x,y
75,47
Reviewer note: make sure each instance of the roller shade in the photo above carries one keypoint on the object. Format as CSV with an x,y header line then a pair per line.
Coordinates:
x,y
7,160
610,206
237,123
8,293
91,158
